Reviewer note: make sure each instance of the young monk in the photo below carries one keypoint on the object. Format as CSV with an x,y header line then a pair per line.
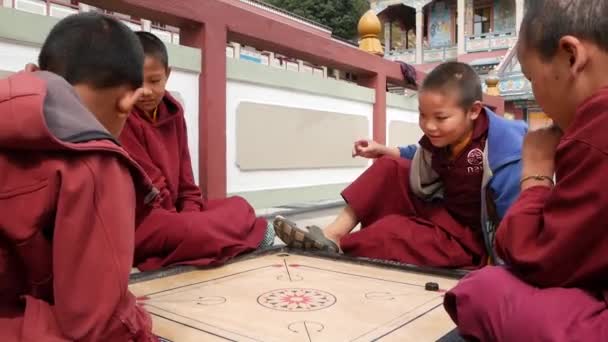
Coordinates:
x,y
435,204
553,240
183,228
67,197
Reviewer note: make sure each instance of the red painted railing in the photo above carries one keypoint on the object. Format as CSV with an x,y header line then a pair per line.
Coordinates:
x,y
208,25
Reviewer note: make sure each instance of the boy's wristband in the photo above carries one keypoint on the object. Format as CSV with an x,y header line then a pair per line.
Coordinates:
x,y
537,178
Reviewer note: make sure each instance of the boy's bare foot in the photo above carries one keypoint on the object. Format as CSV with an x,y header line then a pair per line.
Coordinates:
x,y
311,238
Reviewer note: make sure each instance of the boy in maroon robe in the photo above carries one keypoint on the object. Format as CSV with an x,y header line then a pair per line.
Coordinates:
x,y
553,240
183,228
67,196
436,204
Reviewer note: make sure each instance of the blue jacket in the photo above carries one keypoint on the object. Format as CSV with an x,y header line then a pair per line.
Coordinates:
x,y
501,175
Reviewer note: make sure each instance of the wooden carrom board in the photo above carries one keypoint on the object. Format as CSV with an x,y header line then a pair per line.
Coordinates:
x,y
282,295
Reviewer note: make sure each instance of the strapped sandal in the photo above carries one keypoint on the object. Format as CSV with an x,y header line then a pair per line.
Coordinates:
x,y
311,238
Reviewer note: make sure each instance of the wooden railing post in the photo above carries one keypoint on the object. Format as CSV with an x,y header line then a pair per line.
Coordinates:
x,y
378,83
211,39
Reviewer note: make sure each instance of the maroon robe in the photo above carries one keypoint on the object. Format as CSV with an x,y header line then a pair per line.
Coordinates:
x,y
183,228
555,244
67,219
398,226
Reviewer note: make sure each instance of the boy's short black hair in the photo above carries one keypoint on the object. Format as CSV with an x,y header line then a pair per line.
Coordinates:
x,y
90,48
154,47
547,21
455,77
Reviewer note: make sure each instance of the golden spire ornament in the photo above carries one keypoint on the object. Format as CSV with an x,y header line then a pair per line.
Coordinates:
x,y
369,29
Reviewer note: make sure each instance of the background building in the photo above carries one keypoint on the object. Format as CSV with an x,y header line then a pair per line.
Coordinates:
x,y
482,33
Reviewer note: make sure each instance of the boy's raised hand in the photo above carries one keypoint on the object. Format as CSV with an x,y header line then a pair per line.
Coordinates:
x,y
127,102
31,67
368,149
539,150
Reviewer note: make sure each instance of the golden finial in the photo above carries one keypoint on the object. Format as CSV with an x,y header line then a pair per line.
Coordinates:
x,y
492,82
369,33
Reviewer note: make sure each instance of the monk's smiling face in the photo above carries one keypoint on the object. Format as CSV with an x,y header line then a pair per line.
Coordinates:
x,y
155,81
443,120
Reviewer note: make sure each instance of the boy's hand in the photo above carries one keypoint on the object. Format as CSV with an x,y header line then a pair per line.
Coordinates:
x,y
126,104
368,149
372,150
538,153
31,67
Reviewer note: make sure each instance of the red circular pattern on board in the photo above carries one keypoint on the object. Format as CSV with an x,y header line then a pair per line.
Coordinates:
x,y
297,300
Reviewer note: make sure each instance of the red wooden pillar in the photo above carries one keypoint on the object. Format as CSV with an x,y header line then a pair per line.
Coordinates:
x,y
378,82
211,39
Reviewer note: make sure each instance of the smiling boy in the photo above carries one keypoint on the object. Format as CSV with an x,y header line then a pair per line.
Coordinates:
x,y
436,204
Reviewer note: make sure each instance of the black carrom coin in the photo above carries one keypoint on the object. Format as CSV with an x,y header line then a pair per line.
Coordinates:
x,y
431,287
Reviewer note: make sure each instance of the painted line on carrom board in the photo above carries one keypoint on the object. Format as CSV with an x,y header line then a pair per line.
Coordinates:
x,y
287,269
206,281
408,322
397,318
191,327
360,276
201,322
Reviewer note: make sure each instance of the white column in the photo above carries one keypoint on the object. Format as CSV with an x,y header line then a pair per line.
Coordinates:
x,y
519,14
237,50
419,33
146,25
461,27
7,3
387,36
84,7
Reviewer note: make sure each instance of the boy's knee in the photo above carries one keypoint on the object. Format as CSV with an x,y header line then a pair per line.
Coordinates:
x,y
476,303
490,275
478,291
239,201
386,161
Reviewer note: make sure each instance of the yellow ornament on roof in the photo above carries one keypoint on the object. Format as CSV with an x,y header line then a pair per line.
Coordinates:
x,y
492,82
369,29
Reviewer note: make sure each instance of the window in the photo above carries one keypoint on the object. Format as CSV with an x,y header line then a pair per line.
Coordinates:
x,y
482,22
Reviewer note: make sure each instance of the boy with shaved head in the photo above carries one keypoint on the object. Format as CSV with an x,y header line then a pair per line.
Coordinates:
x,y
553,240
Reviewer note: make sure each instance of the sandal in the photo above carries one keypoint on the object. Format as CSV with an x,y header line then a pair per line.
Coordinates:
x,y
311,238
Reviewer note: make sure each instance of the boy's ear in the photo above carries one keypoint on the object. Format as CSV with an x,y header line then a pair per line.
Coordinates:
x,y
128,99
168,72
475,110
575,52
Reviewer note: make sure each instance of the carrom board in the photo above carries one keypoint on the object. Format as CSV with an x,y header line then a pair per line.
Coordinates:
x,y
283,295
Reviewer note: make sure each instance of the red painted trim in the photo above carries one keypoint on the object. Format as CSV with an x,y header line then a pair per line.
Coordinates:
x,y
212,106
264,33
378,82
282,19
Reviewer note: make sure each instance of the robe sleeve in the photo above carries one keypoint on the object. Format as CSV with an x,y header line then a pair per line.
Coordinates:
x,y
556,237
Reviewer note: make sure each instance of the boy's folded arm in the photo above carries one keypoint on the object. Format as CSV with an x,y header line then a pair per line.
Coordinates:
x,y
556,237
190,197
93,246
